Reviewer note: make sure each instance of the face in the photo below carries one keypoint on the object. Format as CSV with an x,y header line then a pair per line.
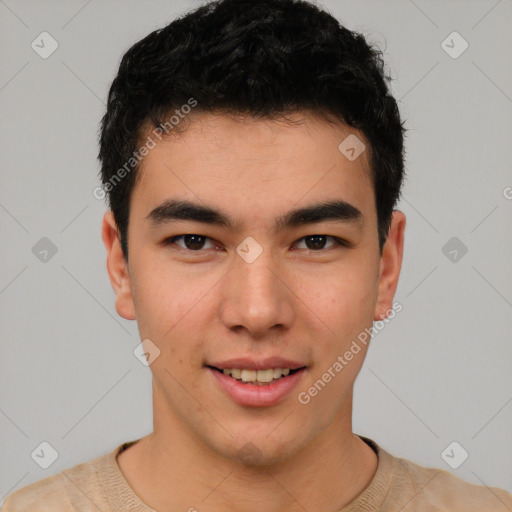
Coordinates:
x,y
232,280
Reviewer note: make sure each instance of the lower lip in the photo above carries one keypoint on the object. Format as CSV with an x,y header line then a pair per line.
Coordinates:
x,y
254,395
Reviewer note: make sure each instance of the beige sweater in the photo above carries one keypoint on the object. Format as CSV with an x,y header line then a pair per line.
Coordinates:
x,y
398,485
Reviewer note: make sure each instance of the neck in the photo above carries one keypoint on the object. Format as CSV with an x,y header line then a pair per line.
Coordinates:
x,y
171,469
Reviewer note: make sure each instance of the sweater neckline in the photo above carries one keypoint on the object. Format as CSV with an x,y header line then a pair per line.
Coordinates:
x,y
122,497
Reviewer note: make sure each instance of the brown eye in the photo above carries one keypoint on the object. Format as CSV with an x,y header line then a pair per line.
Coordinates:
x,y
318,242
191,242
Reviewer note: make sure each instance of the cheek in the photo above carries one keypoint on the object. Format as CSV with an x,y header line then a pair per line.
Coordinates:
x,y
343,301
161,302
171,307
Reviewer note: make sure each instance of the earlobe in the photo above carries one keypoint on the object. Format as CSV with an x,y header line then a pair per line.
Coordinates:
x,y
390,265
117,268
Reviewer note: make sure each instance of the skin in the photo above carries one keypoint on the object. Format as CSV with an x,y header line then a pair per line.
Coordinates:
x,y
291,301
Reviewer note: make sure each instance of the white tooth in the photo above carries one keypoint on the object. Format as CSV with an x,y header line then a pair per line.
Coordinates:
x,y
265,375
249,375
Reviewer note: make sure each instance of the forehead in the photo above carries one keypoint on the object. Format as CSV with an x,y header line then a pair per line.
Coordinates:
x,y
254,165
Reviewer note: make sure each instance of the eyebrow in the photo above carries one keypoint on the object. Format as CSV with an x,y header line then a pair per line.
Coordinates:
x,y
177,209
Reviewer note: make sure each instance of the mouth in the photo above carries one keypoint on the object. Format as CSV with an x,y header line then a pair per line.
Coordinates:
x,y
257,377
251,387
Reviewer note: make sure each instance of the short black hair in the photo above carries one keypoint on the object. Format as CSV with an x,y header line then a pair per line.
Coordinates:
x,y
265,59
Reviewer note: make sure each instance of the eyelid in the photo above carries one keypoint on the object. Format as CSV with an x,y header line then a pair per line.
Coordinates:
x,y
171,240
339,241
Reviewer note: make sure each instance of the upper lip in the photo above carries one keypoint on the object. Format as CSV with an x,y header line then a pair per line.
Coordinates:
x,y
246,363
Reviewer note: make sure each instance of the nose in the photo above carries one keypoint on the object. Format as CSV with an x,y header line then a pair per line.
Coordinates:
x,y
257,297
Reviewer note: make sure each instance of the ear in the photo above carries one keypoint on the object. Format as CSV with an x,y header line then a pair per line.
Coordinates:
x,y
390,264
117,267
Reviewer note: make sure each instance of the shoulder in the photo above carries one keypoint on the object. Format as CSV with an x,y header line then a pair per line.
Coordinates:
x,y
400,484
41,496
75,488
439,489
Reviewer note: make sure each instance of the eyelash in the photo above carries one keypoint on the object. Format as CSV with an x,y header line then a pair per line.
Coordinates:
x,y
339,241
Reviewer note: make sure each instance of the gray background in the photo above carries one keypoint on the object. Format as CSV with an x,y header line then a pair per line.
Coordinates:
x,y
439,372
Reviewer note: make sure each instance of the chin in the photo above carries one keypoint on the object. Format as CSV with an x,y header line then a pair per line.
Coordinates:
x,y
261,449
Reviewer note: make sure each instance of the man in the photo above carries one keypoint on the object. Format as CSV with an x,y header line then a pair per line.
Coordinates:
x,y
253,156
